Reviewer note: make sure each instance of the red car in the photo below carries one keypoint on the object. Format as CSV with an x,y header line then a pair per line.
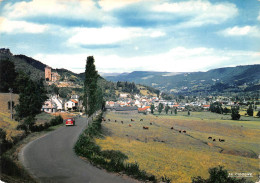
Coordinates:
x,y
70,122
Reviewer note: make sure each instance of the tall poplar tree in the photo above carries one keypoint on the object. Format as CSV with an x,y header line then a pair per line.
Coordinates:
x,y
92,95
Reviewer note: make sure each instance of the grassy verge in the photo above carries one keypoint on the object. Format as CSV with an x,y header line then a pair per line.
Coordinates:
x,y
111,160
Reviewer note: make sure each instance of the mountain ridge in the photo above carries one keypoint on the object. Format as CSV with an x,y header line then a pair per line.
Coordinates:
x,y
187,82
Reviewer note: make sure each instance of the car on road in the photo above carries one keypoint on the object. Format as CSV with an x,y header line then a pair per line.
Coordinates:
x,y
70,122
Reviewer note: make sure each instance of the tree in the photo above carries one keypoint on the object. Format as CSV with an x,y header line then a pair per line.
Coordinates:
x,y
167,109
152,108
188,113
93,97
7,75
32,95
235,113
250,110
216,107
175,111
53,89
160,108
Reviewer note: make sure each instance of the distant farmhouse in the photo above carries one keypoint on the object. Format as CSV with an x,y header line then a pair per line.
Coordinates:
x,y
51,76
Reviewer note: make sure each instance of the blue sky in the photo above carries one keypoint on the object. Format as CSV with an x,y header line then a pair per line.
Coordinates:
x,y
130,35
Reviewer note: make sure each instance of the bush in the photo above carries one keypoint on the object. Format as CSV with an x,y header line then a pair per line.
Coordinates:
x,y
166,179
4,144
56,121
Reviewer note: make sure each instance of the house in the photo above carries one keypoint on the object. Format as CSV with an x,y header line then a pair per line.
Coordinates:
x,y
71,105
123,95
144,110
206,107
58,101
110,103
49,106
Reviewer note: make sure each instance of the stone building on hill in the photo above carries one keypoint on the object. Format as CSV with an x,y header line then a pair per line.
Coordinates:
x,y
51,76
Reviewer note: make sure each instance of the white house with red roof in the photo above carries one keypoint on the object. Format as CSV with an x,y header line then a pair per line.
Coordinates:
x,y
71,105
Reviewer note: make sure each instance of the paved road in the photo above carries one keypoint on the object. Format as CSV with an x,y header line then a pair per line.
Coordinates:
x,y
52,159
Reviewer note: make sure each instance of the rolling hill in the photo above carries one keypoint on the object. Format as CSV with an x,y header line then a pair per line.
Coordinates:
x,y
35,69
228,79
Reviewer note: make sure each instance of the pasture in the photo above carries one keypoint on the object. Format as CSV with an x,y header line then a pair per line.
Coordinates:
x,y
179,146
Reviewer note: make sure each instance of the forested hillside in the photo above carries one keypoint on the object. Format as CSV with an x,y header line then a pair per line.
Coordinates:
x,y
229,79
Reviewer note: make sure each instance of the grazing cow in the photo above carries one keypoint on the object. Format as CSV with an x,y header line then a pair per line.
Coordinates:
x,y
122,122
214,140
141,120
172,128
129,125
209,137
115,120
108,119
184,131
151,123
132,120
179,131
221,140
145,127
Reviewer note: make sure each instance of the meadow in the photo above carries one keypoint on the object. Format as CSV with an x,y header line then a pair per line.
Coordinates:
x,y
163,151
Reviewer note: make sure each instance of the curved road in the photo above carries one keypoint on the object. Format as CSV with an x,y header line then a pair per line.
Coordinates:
x,y
51,159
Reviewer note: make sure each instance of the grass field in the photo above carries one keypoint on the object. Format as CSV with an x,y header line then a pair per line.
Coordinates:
x,y
163,151
5,122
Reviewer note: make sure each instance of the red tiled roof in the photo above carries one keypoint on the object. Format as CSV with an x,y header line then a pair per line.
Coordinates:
x,y
141,109
74,101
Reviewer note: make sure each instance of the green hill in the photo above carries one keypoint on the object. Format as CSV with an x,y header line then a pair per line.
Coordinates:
x,y
36,70
229,79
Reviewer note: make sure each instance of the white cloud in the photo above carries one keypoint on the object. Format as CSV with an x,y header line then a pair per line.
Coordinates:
x,y
109,5
252,31
155,34
201,12
72,9
64,61
109,35
178,59
9,26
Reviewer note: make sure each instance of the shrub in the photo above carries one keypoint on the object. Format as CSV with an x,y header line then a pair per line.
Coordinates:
x,y
165,179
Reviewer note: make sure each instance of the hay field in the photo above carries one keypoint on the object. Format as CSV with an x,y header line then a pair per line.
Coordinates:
x,y
5,122
163,151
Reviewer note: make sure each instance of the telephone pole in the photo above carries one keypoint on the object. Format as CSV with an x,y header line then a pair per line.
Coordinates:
x,y
11,102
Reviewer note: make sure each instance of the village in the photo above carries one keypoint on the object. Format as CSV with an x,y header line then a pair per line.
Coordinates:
x,y
140,103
